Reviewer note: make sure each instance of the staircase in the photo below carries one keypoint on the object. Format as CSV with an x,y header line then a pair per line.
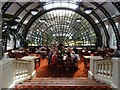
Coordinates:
x,y
62,84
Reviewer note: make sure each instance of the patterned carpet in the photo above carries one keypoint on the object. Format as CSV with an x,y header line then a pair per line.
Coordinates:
x,y
45,71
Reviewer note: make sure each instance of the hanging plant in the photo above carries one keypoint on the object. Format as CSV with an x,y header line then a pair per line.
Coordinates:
x,y
8,21
26,43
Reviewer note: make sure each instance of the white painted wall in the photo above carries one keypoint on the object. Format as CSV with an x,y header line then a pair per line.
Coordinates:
x,y
0,74
7,72
0,49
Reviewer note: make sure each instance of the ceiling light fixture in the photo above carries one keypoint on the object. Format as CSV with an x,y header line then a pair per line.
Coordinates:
x,y
78,19
34,11
88,10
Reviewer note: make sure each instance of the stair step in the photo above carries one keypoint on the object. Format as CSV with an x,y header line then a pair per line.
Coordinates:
x,y
62,83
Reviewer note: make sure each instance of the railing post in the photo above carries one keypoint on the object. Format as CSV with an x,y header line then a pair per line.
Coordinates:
x,y
93,66
7,72
116,72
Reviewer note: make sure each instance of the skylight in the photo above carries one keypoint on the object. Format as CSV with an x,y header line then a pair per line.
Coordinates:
x,y
56,5
60,0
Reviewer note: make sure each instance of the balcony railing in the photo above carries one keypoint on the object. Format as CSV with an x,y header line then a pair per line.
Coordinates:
x,y
21,69
105,70
15,71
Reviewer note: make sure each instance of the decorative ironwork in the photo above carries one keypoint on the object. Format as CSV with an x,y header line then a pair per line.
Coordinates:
x,y
73,25
22,8
117,5
102,24
111,21
6,6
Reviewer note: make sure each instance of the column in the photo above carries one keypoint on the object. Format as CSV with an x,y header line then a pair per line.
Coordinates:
x,y
91,72
0,33
0,48
116,72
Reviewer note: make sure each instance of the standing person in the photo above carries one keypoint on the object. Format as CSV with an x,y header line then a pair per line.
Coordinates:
x,y
75,50
50,55
75,58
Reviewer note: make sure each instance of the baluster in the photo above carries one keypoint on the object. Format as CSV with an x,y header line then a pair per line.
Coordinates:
x,y
102,70
107,74
109,70
20,69
105,69
26,69
15,65
17,70
97,70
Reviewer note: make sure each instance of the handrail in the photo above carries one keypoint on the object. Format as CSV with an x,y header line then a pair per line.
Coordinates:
x,y
103,59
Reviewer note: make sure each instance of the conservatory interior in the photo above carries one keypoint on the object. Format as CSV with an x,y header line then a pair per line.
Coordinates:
x,y
60,44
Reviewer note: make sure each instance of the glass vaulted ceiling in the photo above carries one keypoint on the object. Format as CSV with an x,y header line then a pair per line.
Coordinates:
x,y
61,26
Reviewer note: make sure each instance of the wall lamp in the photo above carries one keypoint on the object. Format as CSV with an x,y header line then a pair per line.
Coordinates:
x,y
34,11
88,10
78,19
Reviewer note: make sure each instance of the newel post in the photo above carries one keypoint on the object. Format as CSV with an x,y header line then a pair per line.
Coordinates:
x,y
93,67
116,72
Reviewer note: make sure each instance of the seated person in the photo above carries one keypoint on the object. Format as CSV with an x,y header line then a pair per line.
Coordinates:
x,y
75,56
117,53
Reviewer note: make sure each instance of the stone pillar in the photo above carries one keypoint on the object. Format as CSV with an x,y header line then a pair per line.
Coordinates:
x,y
91,72
119,29
0,74
0,32
0,48
116,72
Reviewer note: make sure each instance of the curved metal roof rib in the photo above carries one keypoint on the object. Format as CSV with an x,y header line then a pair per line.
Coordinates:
x,y
89,19
102,24
111,21
96,18
68,28
6,6
117,5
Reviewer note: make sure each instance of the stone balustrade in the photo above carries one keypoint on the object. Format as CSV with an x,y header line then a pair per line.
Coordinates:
x,y
21,69
14,71
105,70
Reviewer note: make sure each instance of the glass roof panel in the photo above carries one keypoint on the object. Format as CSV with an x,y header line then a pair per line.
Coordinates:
x,y
61,26
56,5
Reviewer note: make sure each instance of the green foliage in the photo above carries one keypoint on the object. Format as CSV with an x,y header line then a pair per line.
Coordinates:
x,y
26,43
8,20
